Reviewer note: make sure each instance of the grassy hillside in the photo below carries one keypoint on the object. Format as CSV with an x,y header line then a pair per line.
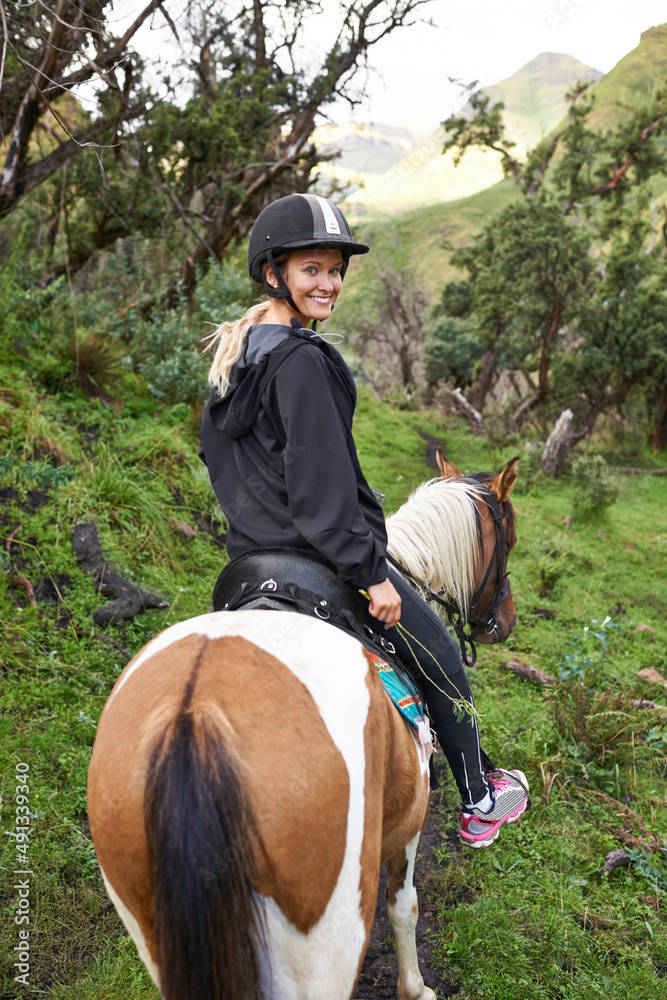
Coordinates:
x,y
416,239
633,80
534,99
425,176
531,917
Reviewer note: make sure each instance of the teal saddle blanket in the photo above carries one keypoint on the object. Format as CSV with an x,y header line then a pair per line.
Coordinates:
x,y
406,700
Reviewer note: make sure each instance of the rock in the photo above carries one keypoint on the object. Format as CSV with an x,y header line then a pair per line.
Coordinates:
x,y
615,859
529,673
652,676
183,528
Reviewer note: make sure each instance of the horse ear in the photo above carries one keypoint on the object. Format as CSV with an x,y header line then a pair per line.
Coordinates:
x,y
447,469
503,483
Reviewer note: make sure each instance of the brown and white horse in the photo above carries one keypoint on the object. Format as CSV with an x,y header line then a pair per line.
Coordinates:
x,y
249,776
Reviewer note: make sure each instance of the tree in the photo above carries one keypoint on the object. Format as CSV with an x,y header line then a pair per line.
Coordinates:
x,y
527,273
623,345
230,133
47,52
450,351
565,273
388,346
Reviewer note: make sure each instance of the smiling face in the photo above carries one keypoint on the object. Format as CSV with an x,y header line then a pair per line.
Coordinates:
x,y
314,279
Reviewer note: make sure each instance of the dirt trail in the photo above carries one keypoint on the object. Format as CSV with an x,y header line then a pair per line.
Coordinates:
x,y
379,973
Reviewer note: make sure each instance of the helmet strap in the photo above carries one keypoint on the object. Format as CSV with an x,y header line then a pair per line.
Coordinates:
x,y
282,291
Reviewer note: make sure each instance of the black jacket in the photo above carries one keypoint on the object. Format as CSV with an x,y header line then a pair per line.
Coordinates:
x,y
282,462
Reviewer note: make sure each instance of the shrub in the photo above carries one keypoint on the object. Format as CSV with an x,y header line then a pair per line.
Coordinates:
x,y
171,362
85,359
39,475
605,727
592,490
587,651
169,346
532,473
451,350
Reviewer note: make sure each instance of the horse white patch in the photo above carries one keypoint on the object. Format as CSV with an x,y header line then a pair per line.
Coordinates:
x,y
133,930
424,748
322,965
333,667
403,915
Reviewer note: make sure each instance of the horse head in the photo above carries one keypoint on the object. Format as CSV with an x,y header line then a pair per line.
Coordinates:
x,y
491,612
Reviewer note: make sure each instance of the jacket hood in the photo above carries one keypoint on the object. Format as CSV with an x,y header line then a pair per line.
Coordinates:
x,y
236,412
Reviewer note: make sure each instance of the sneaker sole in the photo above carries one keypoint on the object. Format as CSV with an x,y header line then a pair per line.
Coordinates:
x,y
481,843
520,776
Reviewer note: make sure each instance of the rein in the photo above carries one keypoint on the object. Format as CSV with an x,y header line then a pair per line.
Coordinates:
x,y
487,620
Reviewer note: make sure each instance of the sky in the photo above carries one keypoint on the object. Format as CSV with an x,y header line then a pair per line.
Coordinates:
x,y
489,40
482,40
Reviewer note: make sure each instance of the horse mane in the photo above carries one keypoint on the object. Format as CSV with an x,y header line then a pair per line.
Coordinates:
x,y
436,536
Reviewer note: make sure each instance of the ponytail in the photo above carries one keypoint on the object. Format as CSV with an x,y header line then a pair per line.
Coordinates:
x,y
228,342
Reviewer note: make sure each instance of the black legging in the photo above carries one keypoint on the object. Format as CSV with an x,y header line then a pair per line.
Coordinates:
x,y
459,740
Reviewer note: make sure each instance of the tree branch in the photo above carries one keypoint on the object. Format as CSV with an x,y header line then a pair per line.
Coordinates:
x,y
29,110
535,183
36,173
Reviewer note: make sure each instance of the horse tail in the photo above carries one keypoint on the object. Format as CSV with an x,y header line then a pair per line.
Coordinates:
x,y
200,832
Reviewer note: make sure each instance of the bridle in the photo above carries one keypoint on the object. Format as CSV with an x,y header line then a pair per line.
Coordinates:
x,y
487,620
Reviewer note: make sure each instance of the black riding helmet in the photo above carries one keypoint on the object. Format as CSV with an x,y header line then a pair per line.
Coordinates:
x,y
297,222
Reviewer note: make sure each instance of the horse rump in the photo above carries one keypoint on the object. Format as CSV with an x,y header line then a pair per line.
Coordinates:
x,y
201,833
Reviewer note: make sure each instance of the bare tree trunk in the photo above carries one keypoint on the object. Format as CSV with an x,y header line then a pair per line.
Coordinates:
x,y
482,384
558,444
516,420
616,398
429,395
545,357
462,405
589,423
660,426
545,360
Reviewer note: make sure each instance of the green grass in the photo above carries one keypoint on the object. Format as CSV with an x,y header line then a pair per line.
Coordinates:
x,y
539,920
532,917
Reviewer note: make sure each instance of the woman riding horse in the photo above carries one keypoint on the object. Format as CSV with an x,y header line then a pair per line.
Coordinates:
x,y
276,438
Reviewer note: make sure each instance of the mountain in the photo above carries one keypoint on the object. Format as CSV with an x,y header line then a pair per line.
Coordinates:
x,y
363,152
633,80
368,148
415,238
534,99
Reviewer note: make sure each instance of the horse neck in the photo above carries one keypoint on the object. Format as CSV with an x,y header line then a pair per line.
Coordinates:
x,y
435,536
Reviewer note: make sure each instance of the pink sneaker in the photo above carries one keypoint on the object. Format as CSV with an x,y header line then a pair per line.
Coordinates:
x,y
480,829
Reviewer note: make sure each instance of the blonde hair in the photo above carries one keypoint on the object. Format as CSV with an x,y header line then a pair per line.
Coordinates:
x,y
228,342
229,339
